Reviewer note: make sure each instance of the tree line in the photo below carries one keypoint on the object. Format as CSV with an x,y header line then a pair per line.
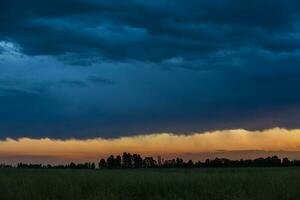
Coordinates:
x,y
128,161
135,161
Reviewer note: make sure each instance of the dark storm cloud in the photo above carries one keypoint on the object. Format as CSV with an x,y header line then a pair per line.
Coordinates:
x,y
87,68
147,30
100,80
73,83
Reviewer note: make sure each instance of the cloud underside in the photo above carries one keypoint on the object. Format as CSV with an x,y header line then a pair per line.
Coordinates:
x,y
235,144
91,68
178,32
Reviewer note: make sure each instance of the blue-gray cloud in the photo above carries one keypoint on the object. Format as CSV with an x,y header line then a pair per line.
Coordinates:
x,y
87,68
85,31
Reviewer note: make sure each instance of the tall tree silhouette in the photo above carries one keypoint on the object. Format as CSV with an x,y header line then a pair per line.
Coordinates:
x,y
137,161
117,162
127,160
102,164
110,162
179,162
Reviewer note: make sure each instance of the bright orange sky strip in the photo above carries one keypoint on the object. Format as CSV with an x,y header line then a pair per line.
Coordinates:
x,y
163,144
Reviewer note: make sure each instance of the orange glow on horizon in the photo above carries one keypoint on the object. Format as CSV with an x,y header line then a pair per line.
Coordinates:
x,y
163,144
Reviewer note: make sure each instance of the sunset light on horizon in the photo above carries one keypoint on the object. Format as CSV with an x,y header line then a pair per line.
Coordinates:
x,y
84,79
232,144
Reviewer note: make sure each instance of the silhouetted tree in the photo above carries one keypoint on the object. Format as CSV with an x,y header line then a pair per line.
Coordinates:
x,y
286,162
169,163
5,166
117,163
102,164
190,164
137,161
179,162
149,162
93,166
159,161
110,162
127,160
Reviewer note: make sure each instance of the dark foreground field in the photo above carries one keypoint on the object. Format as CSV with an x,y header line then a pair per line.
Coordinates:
x,y
251,183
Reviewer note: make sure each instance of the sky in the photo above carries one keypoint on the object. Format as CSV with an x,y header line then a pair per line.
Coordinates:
x,y
107,70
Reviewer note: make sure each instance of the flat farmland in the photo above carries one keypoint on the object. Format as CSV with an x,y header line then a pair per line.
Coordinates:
x,y
154,184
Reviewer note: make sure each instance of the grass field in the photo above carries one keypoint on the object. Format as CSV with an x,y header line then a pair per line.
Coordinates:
x,y
233,184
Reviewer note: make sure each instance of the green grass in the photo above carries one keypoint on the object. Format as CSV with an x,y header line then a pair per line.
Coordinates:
x,y
231,184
